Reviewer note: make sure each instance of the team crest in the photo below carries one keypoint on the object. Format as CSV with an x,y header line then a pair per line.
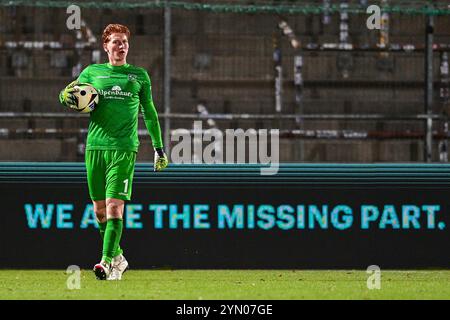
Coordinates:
x,y
132,77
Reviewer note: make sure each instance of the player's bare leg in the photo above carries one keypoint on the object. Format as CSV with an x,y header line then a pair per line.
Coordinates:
x,y
100,210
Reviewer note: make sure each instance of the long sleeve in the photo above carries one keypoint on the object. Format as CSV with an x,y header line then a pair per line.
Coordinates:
x,y
84,76
149,112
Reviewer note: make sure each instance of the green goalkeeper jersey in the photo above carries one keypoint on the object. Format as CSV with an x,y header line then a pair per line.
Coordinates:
x,y
123,92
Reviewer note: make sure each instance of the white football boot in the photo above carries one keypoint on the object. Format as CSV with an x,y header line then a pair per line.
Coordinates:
x,y
102,270
118,267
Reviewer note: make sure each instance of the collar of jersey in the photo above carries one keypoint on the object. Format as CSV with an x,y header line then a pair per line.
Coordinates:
x,y
124,66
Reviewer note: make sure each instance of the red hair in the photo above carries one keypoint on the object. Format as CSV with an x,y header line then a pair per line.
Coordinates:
x,y
114,28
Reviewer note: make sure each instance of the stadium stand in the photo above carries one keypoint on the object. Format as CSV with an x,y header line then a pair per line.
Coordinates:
x,y
225,60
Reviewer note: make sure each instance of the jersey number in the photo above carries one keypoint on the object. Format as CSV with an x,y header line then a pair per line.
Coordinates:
x,y
126,186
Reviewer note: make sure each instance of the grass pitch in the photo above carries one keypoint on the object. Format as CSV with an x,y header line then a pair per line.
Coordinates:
x,y
226,285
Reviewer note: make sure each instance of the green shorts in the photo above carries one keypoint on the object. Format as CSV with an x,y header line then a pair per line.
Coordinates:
x,y
110,173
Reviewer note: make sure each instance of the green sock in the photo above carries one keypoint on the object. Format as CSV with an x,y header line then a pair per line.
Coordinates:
x,y
102,228
111,239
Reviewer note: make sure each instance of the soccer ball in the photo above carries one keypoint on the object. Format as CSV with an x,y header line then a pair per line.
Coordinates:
x,y
87,98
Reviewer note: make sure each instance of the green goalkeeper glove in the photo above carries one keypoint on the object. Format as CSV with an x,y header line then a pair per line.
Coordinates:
x,y
66,96
161,160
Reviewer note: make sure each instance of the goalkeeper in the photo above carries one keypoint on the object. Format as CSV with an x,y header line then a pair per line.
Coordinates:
x,y
112,141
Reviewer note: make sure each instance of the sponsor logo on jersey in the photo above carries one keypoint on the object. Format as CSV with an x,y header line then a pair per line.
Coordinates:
x,y
115,92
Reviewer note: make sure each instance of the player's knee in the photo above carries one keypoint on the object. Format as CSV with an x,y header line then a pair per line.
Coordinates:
x,y
100,212
100,215
114,210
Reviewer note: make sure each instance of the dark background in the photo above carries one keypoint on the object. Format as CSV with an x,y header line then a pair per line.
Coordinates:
x,y
22,247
